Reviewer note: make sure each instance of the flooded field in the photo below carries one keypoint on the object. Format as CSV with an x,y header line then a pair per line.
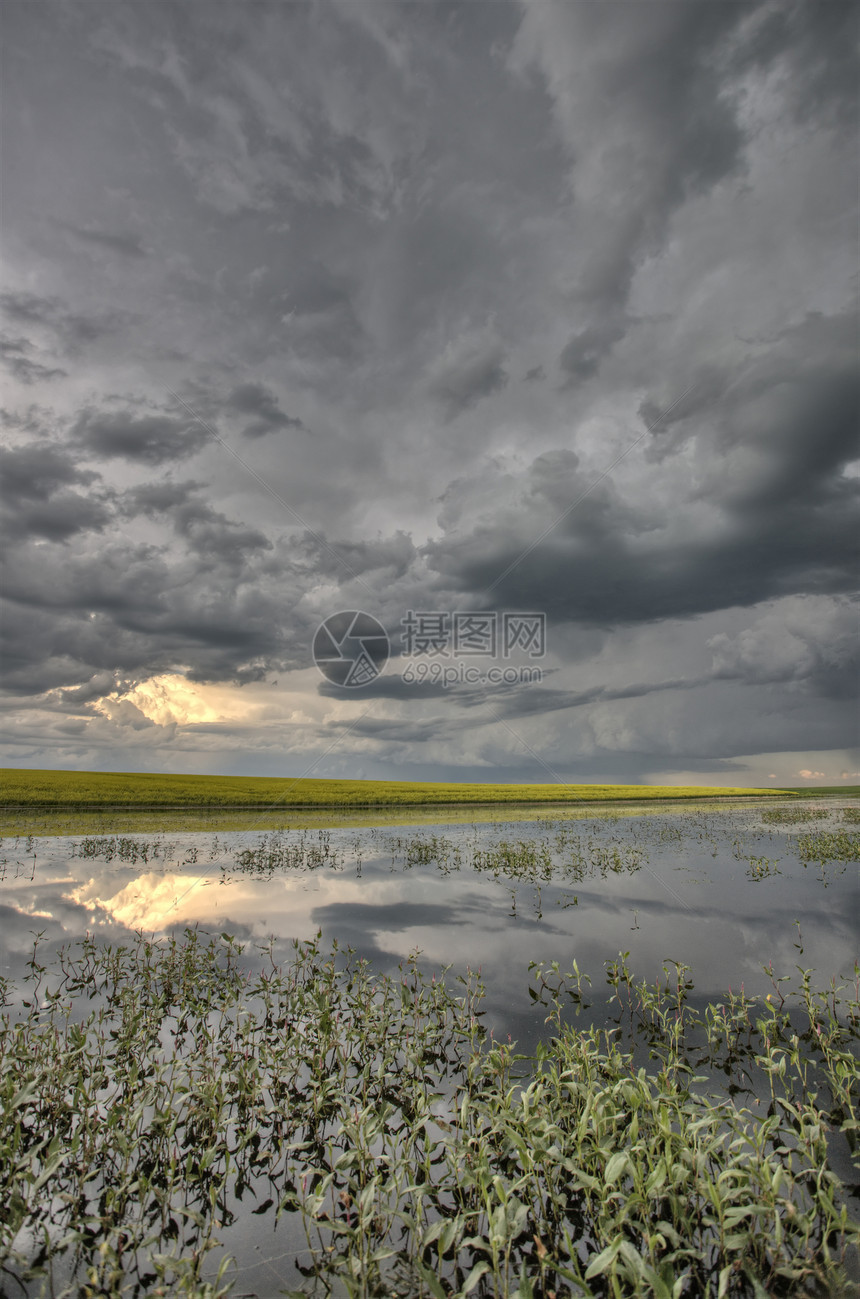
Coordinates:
x,y
690,916
717,888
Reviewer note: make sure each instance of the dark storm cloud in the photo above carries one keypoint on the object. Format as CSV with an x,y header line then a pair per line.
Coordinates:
x,y
813,647
152,499
789,420
582,357
64,515
465,374
204,601
206,531
817,47
151,439
133,611
76,610
507,704
642,101
37,502
607,578
100,684
392,557
27,371
499,702
72,329
13,353
121,242
36,470
464,243
394,687
210,533
256,400
30,309
440,728
797,403
32,419
212,602
668,124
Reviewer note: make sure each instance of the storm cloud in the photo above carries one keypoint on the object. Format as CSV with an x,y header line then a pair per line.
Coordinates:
x,y
255,400
400,307
146,439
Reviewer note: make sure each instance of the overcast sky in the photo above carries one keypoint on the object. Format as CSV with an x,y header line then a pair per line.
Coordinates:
x,y
483,306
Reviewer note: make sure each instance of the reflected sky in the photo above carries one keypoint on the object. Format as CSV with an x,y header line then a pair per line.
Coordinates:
x,y
720,890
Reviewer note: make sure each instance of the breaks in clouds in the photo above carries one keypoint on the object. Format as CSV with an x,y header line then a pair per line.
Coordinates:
x,y
432,307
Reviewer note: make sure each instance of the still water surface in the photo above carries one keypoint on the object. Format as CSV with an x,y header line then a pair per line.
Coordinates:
x,y
720,888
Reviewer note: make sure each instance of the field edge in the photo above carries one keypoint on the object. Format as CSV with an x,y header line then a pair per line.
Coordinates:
x,y
24,789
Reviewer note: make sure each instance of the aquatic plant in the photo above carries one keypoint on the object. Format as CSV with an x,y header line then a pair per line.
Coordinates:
x,y
152,1094
762,868
826,846
273,853
793,815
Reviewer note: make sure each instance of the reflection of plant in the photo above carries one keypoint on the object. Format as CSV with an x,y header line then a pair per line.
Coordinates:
x,y
275,853
562,859
124,847
762,868
150,1093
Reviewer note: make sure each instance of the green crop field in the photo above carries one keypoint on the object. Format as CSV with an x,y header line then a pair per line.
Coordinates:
x,y
33,788
824,791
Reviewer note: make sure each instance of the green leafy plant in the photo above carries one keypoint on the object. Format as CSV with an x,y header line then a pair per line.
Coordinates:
x,y
152,1094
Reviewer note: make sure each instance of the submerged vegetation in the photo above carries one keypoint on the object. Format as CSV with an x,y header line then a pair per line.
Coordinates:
x,y
793,815
562,857
154,1094
35,789
825,846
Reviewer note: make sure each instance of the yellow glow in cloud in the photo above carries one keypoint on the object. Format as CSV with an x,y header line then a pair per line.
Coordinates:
x,y
171,698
